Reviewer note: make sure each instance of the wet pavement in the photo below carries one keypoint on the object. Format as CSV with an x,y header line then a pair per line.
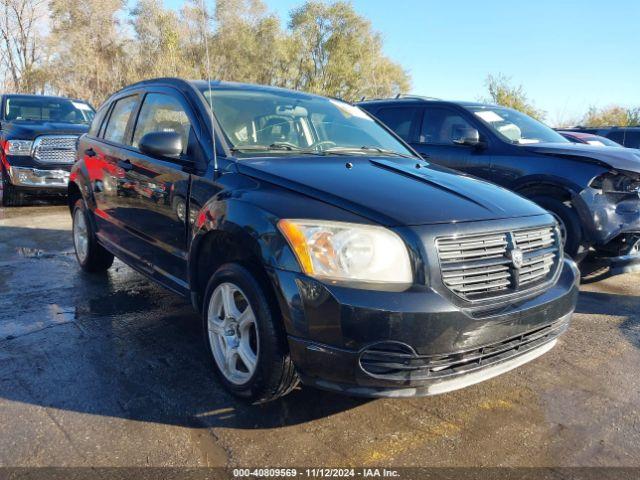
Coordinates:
x,y
111,370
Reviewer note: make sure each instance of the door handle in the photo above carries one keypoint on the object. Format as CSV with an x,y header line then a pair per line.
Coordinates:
x,y
125,164
90,152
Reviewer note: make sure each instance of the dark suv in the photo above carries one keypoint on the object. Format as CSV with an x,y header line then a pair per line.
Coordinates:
x,y
38,137
593,191
626,136
315,243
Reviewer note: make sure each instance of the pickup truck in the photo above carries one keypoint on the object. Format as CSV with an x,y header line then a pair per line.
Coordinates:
x,y
38,137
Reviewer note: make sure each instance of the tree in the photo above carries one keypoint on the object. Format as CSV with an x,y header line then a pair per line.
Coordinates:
x,y
502,92
337,53
21,50
159,38
249,44
613,115
89,58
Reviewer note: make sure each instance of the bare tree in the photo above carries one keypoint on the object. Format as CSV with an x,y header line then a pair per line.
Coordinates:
x,y
21,22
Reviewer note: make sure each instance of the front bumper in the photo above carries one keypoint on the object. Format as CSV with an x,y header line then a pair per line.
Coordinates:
x,y
415,342
37,178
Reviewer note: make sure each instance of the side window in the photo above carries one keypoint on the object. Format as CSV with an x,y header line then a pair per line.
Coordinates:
x,y
616,136
632,140
97,120
117,126
398,119
441,126
162,113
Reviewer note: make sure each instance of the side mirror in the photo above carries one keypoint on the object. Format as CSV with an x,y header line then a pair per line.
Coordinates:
x,y
161,144
470,137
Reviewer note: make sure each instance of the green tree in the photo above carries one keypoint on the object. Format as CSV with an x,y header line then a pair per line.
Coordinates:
x,y
502,92
336,52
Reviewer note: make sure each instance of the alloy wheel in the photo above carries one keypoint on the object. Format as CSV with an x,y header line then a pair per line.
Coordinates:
x,y
233,333
80,235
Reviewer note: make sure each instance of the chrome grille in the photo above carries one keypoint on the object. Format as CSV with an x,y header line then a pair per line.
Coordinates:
x,y
475,267
55,149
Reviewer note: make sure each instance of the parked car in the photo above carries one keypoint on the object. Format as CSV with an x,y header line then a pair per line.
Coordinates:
x,y
321,247
38,137
626,136
592,191
588,138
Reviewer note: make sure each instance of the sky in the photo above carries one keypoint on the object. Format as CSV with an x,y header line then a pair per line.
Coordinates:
x,y
567,54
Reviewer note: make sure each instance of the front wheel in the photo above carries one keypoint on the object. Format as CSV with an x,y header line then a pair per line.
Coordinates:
x,y
245,337
11,197
570,227
92,257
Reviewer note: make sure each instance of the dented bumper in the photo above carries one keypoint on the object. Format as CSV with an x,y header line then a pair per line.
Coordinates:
x,y
605,216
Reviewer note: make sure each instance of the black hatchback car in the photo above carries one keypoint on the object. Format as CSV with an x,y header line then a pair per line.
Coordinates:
x,y
594,192
315,243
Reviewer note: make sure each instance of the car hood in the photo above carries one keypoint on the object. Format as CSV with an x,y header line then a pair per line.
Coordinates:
x,y
30,130
612,157
391,190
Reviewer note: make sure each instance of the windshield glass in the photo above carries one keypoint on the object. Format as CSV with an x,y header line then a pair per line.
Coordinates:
x,y
47,109
290,122
516,127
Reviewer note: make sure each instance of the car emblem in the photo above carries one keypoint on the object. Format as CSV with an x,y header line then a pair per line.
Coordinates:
x,y
517,257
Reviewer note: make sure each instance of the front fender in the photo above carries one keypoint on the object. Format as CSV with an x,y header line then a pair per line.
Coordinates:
x,y
253,228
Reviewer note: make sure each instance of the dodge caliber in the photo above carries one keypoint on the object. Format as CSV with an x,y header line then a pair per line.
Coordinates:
x,y
317,246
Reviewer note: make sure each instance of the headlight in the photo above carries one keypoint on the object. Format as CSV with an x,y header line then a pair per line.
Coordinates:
x,y
617,182
348,251
18,147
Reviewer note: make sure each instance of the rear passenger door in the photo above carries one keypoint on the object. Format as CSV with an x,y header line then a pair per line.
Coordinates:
x,y
106,159
402,120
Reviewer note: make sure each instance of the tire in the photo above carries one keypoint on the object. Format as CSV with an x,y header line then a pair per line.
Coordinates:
x,y
92,257
273,374
11,196
566,215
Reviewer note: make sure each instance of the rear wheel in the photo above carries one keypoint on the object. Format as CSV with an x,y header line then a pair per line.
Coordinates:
x,y
570,228
11,197
91,256
245,337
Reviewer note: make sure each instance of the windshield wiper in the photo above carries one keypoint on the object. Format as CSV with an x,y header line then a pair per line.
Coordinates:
x,y
366,148
275,147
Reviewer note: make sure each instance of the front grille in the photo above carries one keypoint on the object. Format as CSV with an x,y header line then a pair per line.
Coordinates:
x,y
400,362
481,266
55,149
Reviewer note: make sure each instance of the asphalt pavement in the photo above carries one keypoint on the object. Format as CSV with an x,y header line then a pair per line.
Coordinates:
x,y
111,370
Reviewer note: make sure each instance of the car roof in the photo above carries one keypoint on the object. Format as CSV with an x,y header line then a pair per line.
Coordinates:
x,y
419,100
217,85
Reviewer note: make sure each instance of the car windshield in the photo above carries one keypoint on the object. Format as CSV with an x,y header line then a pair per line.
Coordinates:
x,y
291,123
47,109
516,127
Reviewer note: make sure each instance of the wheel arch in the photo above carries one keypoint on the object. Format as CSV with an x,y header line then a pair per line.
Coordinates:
x,y
238,232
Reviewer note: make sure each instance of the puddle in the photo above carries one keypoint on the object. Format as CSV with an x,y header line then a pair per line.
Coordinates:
x,y
27,252
31,322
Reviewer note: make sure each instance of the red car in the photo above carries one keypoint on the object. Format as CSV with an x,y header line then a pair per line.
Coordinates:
x,y
589,139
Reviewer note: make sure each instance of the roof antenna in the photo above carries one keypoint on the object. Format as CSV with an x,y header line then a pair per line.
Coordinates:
x,y
206,47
